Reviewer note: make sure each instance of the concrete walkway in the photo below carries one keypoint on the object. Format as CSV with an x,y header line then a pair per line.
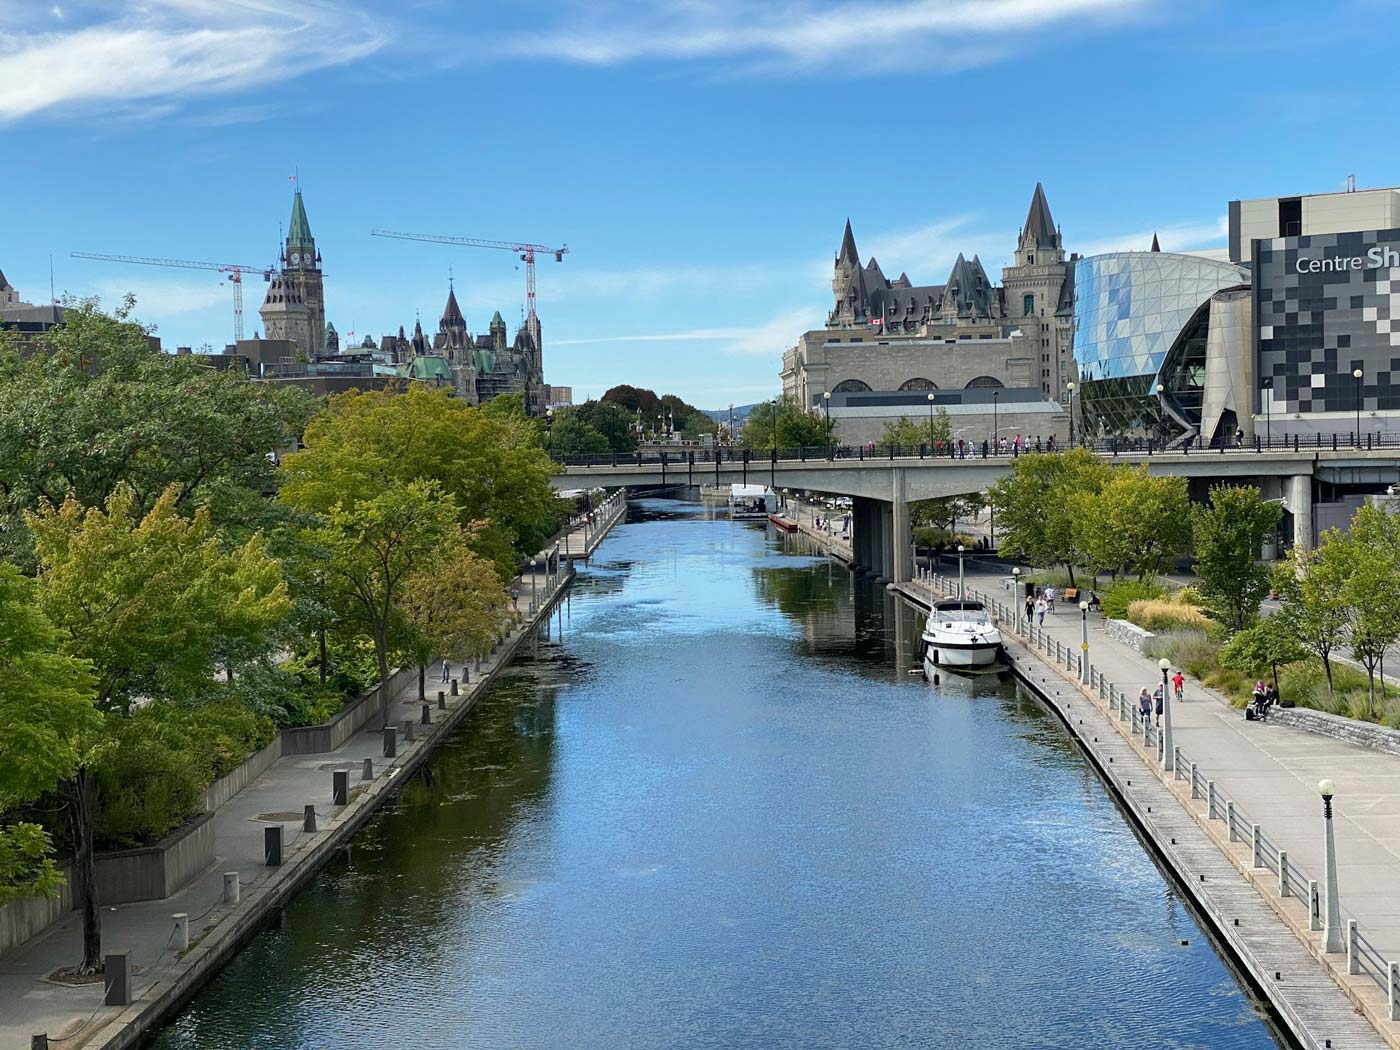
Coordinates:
x,y
834,537
1270,772
72,1015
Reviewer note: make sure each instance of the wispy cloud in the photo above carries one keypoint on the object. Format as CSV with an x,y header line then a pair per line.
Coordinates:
x,y
795,36
1173,237
102,56
769,338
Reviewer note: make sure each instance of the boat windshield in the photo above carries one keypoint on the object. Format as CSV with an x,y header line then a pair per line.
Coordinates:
x,y
953,611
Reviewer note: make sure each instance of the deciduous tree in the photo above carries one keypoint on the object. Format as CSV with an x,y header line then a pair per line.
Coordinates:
x,y
1310,588
1035,505
453,605
1134,523
1228,536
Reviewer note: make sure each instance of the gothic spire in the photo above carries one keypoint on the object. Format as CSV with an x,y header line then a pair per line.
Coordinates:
x,y
848,252
1155,246
1040,228
299,233
452,313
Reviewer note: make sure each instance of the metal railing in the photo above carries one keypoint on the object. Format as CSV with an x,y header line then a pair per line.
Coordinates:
x,y
1294,881
757,458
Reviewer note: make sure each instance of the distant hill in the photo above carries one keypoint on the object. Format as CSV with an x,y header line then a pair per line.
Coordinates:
x,y
741,413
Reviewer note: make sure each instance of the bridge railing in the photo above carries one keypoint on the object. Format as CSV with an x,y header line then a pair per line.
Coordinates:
x,y
694,459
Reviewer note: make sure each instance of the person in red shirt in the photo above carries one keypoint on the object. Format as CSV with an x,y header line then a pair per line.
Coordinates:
x,y
1178,684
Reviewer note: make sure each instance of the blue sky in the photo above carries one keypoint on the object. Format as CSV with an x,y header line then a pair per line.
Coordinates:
x,y
698,156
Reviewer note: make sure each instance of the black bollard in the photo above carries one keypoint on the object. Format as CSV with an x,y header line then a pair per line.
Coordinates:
x,y
272,845
340,787
391,741
116,979
442,700
427,715
367,773
408,730
308,817
454,687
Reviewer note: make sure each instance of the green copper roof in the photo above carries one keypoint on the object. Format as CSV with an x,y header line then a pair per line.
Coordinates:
x,y
497,319
427,369
299,233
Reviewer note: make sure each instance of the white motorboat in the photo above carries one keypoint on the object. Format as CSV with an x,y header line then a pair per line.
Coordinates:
x,y
751,501
960,634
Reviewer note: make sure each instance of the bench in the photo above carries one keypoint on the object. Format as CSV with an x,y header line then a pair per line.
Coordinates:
x,y
1070,595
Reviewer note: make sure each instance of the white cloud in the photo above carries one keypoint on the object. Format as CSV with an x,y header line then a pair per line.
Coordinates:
x,y
768,339
110,56
771,36
1178,237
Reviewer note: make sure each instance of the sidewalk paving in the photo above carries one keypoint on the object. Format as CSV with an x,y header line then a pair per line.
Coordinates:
x,y
30,1003
1271,772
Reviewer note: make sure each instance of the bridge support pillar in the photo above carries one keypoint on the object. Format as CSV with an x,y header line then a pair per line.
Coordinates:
x,y
901,562
1300,505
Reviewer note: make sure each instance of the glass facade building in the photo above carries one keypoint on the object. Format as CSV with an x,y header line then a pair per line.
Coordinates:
x,y
1142,321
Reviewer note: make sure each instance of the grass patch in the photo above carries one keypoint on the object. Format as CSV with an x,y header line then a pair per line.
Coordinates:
x,y
1156,614
1123,593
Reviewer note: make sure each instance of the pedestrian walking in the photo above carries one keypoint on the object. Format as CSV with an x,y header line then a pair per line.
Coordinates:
x,y
1178,685
1158,700
1239,437
446,670
1144,704
1040,610
1030,608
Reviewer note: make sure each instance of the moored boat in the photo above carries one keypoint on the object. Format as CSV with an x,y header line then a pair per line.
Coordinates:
x,y
959,634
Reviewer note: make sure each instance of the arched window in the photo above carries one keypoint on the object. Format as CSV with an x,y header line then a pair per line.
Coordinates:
x,y
918,384
851,386
984,383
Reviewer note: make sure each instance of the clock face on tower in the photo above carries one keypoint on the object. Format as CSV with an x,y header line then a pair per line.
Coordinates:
x,y
296,258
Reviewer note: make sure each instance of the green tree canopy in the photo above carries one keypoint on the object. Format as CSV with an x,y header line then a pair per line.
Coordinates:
x,y
1310,586
910,433
795,427
95,407
453,605
491,469
570,435
1265,646
615,423
49,723
1134,523
1228,536
1370,594
1035,505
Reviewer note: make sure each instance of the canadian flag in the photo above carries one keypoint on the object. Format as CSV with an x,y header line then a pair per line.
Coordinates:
x,y
877,320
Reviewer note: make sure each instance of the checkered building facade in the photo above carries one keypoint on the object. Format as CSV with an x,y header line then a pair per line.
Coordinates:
x,y
1314,329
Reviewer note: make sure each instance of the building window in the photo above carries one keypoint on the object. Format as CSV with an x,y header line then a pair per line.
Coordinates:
x,y
851,386
918,384
984,383
1028,305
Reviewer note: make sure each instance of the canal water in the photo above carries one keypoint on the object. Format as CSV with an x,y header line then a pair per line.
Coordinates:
x,y
717,810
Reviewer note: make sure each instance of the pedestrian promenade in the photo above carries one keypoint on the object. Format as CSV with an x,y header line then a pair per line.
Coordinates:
x,y
73,1015
1269,772
832,536
583,539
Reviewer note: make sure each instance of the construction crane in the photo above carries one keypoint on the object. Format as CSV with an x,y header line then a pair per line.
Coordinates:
x,y
235,273
525,251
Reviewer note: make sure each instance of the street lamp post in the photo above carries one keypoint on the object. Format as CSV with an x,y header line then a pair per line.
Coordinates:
x,y
1084,643
549,429
1332,916
731,424
996,396
1168,759
930,421
1268,405
1356,374
826,404
961,585
773,463
1016,601
1070,388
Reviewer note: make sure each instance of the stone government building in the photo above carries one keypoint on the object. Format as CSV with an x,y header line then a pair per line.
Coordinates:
x,y
301,347
973,344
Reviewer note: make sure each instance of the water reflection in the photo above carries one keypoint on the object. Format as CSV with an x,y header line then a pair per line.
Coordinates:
x,y
720,813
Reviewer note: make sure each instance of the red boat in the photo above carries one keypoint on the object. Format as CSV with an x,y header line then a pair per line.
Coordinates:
x,y
783,523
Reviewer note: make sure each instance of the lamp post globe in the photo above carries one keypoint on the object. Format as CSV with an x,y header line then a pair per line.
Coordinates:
x,y
1356,374
1332,908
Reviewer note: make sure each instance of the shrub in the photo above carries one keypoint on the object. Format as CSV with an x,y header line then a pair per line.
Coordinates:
x,y
1154,614
1123,593
1191,650
1190,595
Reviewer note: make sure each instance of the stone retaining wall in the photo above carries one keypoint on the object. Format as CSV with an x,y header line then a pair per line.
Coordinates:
x,y
1350,730
235,780
1130,634
153,873
21,919
318,740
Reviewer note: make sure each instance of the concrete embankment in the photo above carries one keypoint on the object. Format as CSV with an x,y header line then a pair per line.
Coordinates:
x,y
291,788
1216,865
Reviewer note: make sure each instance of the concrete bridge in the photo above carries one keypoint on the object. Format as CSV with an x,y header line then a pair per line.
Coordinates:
x,y
882,486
